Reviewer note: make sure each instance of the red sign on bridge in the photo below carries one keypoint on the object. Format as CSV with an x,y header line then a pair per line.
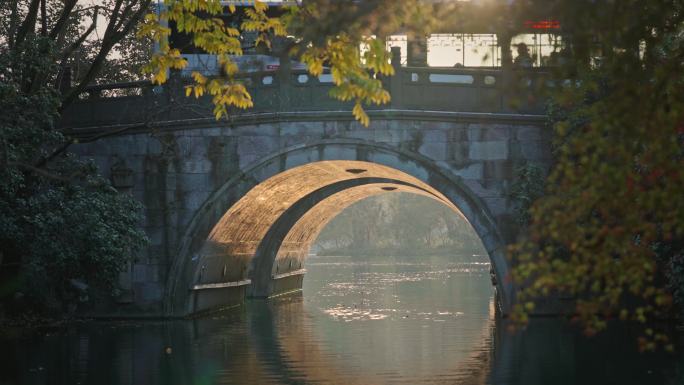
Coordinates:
x,y
542,24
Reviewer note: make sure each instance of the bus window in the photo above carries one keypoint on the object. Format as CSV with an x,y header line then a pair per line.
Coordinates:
x,y
463,50
543,48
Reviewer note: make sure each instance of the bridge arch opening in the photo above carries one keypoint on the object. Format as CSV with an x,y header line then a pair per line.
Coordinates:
x,y
252,237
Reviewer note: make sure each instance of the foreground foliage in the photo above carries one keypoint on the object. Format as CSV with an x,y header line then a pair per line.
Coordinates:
x,y
609,230
327,34
65,233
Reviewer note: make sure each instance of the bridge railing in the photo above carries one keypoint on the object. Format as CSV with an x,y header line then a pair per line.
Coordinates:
x,y
424,89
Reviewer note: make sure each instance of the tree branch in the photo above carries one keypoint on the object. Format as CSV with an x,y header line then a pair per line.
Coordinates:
x,y
29,24
63,18
14,20
43,17
41,172
124,14
111,38
73,46
111,27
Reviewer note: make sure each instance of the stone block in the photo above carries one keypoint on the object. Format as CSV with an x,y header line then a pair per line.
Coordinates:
x,y
154,273
154,217
338,152
362,133
155,234
497,206
184,216
193,181
139,144
127,145
156,253
328,126
300,139
140,273
434,150
479,189
174,196
473,171
193,200
301,129
257,130
267,170
332,129
261,145
390,136
378,124
247,160
526,133
439,126
498,169
458,152
408,166
458,133
221,148
398,125
149,292
435,136
500,185
154,199
488,132
136,162
192,147
301,157
211,131
153,180
153,146
494,150
412,140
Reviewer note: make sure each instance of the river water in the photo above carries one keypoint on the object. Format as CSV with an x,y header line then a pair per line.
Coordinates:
x,y
386,320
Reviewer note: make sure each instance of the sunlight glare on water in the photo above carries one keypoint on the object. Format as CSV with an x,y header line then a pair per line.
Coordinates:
x,y
401,319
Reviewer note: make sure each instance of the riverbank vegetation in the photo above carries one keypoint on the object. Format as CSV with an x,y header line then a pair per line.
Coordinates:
x,y
609,229
65,232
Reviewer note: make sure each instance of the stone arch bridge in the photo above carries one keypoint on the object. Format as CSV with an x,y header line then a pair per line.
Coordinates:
x,y
232,206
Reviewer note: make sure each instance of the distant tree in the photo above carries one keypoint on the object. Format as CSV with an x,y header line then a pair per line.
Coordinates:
x,y
399,223
69,35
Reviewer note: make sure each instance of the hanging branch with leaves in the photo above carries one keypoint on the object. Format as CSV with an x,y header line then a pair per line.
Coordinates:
x,y
355,75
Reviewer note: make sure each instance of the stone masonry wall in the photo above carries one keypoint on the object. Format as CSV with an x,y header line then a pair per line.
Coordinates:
x,y
176,170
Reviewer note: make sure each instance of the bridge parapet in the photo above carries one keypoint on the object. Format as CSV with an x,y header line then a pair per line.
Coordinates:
x,y
414,89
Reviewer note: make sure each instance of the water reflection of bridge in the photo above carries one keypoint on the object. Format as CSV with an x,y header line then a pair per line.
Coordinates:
x,y
226,350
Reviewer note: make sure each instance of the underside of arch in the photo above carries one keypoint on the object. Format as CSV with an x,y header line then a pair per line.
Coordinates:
x,y
259,245
287,254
